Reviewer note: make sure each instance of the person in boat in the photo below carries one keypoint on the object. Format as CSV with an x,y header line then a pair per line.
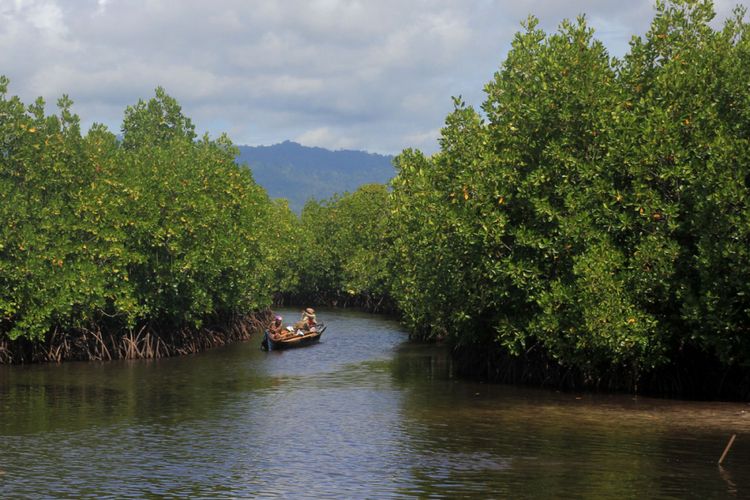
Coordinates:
x,y
276,328
307,322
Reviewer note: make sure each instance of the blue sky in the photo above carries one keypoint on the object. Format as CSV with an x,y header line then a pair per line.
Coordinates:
x,y
374,75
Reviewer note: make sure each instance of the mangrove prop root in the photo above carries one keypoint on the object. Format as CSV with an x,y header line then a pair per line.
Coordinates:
x,y
692,376
365,302
147,342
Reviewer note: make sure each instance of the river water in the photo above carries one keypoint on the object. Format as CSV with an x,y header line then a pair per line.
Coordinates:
x,y
362,414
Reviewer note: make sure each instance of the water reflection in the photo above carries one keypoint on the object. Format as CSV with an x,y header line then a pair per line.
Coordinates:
x,y
556,444
362,414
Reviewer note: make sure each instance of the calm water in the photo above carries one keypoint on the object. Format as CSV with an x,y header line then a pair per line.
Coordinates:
x,y
362,414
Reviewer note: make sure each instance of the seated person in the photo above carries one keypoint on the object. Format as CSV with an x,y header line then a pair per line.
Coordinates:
x,y
276,328
311,324
307,322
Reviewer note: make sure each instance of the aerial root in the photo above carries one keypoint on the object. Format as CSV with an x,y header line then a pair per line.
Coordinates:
x,y
92,343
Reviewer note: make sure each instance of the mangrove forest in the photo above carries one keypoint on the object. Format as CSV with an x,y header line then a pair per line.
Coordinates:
x,y
587,226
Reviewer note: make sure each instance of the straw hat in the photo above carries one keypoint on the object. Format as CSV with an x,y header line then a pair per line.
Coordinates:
x,y
310,312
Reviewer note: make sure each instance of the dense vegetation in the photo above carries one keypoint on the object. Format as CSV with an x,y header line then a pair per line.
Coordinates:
x,y
153,244
593,220
343,251
589,226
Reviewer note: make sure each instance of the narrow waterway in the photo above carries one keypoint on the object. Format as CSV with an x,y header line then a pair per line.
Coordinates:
x,y
364,413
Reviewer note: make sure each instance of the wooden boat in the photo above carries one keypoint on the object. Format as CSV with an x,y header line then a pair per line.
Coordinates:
x,y
293,340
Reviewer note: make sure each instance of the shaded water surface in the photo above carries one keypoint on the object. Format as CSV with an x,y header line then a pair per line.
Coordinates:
x,y
364,413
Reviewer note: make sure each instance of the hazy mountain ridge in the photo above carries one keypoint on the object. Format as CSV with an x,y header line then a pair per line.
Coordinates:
x,y
296,172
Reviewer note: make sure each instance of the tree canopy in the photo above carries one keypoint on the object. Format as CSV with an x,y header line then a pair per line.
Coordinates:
x,y
595,208
157,229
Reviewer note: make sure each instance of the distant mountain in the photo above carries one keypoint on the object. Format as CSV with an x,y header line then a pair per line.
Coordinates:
x,y
298,173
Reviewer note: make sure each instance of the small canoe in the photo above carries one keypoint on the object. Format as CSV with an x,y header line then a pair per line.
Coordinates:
x,y
292,340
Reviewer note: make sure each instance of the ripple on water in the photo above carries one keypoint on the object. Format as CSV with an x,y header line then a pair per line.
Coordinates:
x,y
362,414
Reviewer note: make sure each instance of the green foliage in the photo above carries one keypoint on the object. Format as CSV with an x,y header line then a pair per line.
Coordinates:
x,y
343,250
363,236
156,122
159,229
594,210
285,242
599,210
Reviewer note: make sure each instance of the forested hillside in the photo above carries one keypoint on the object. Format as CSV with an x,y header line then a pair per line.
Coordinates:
x,y
298,173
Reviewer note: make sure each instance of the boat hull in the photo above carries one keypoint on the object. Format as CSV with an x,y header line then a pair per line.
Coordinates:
x,y
291,342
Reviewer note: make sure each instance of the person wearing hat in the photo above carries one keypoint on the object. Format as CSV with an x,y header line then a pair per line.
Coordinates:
x,y
307,322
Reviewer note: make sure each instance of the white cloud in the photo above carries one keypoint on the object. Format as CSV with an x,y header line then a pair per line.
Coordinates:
x,y
101,6
423,139
336,73
327,138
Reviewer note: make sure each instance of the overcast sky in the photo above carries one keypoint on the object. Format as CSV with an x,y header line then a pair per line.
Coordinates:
x,y
376,75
